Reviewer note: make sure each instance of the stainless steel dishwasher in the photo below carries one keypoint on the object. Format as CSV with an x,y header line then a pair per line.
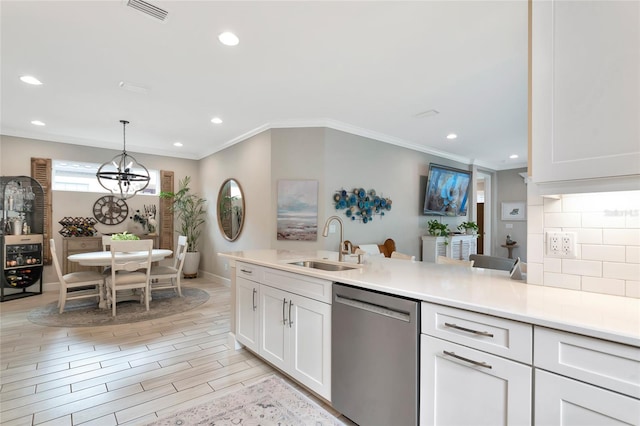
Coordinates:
x,y
374,357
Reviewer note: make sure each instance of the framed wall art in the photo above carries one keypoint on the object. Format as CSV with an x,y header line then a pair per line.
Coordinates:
x,y
298,210
514,210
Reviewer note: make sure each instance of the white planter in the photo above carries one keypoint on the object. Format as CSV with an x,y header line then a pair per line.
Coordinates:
x,y
191,263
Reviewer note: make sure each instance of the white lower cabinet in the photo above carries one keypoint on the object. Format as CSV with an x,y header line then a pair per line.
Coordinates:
x,y
581,380
463,386
563,401
247,299
289,330
296,337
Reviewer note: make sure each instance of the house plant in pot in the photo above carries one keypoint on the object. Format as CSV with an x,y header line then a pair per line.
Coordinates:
x,y
438,229
190,211
470,228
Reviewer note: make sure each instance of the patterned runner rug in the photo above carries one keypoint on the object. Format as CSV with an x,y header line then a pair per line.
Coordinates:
x,y
85,312
271,402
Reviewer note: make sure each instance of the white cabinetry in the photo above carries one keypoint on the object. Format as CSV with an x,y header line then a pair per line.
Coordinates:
x,y
585,381
291,323
455,246
585,103
247,303
465,377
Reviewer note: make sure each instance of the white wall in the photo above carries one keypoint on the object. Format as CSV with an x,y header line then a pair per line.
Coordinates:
x,y
608,236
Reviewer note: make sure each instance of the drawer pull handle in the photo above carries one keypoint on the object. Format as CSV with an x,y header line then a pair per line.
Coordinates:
x,y
468,330
470,361
290,305
246,271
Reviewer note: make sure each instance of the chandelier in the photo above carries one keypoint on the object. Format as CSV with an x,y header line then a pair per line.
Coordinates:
x,y
123,176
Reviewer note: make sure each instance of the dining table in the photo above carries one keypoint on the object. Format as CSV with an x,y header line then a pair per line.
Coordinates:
x,y
103,258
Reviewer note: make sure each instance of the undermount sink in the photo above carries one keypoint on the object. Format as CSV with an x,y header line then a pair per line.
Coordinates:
x,y
325,266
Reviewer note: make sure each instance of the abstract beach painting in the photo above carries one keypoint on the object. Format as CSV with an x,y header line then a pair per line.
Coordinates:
x,y
298,210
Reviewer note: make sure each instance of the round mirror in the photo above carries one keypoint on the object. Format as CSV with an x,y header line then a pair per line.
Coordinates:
x,y
230,209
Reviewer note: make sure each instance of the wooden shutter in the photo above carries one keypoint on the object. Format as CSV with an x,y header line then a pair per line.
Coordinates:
x,y
166,215
41,171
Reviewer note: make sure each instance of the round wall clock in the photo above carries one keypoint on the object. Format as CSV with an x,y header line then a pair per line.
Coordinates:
x,y
110,210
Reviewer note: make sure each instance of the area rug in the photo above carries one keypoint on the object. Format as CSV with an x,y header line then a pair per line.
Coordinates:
x,y
269,402
85,313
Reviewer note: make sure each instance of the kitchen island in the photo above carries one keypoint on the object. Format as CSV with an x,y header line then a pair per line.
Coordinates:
x,y
480,290
496,335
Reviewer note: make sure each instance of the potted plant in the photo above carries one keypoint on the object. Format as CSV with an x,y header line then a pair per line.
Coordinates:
x,y
190,211
438,229
470,228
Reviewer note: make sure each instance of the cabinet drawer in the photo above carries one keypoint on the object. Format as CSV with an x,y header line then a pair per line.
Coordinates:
x,y
607,364
84,244
249,272
314,288
499,336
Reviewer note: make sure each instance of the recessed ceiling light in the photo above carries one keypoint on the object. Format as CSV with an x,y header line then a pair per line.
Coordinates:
x,y
133,87
216,120
513,156
30,80
452,136
37,123
228,39
428,113
177,144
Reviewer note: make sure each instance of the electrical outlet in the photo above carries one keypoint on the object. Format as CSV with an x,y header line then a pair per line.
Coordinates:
x,y
332,228
561,244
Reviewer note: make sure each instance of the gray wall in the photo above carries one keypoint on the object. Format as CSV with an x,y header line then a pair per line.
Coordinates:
x,y
510,186
249,163
336,159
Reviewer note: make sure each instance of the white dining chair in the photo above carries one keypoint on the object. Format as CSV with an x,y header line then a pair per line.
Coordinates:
x,y
106,246
396,255
443,260
106,242
77,285
129,275
169,276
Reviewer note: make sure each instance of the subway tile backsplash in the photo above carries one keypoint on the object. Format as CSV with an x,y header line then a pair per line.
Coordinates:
x,y
607,227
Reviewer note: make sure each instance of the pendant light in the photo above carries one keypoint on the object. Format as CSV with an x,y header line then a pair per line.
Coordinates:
x,y
123,176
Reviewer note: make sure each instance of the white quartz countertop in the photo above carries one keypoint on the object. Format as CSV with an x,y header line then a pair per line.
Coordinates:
x,y
480,290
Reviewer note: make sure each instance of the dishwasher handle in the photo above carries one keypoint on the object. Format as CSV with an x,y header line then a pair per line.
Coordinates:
x,y
376,309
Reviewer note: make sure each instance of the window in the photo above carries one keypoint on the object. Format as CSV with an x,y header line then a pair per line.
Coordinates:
x,y
81,177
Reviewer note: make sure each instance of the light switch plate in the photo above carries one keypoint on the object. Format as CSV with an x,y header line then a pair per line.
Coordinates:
x,y
561,244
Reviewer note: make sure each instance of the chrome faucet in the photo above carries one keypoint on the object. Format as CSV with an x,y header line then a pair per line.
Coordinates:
x,y
344,248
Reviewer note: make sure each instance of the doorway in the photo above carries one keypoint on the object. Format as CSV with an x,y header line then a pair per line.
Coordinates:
x,y
483,212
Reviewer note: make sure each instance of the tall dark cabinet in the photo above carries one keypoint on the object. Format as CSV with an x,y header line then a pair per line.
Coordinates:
x,y
21,237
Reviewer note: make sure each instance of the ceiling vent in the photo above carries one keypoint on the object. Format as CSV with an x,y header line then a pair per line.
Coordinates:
x,y
148,9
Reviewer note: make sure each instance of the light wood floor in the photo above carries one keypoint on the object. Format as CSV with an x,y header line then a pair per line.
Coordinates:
x,y
128,374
